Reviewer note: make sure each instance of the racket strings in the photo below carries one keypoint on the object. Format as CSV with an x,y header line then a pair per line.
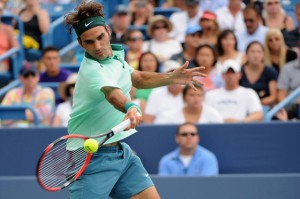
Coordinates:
x,y
59,165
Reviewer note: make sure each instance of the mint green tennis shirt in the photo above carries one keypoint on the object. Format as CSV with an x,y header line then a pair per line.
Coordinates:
x,y
91,113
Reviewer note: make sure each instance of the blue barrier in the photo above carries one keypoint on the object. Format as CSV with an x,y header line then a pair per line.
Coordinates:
x,y
240,148
279,186
17,112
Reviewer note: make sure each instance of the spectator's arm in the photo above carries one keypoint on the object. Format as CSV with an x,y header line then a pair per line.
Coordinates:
x,y
163,168
210,167
282,94
253,117
272,98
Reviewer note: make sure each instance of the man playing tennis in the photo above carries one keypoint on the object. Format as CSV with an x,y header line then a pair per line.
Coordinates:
x,y
102,100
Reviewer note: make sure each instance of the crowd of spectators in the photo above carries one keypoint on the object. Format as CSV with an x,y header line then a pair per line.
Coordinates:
x,y
251,59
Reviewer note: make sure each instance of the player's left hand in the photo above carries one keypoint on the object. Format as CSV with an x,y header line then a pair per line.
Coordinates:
x,y
182,75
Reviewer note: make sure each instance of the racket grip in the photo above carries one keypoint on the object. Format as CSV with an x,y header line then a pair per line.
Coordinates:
x,y
120,127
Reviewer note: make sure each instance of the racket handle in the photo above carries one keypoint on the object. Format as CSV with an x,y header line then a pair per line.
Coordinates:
x,y
120,127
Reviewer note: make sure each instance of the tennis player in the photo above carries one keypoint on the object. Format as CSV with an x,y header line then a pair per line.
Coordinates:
x,y
102,100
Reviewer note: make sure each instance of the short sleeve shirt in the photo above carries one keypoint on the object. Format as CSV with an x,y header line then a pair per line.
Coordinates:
x,y
91,113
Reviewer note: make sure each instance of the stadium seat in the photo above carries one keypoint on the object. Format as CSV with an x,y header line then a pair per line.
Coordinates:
x,y
17,112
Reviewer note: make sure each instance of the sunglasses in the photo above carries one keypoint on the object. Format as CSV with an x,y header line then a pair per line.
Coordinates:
x,y
29,74
160,27
136,39
185,134
272,2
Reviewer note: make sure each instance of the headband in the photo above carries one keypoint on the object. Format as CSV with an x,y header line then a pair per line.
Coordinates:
x,y
88,23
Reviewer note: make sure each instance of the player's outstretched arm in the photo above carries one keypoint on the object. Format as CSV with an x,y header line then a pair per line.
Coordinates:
x,y
182,75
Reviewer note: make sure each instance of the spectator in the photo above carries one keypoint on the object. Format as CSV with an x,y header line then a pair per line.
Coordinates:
x,y
194,110
292,37
147,62
180,4
141,14
227,49
192,41
160,43
134,42
189,159
288,81
210,28
8,40
41,99
119,24
63,110
164,99
36,22
206,56
51,61
254,30
234,102
183,19
277,54
258,76
231,16
275,17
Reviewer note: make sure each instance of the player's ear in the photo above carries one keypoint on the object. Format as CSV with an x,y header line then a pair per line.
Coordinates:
x,y
108,30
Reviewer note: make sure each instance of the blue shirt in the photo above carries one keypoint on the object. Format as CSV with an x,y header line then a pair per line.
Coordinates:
x,y
203,163
61,77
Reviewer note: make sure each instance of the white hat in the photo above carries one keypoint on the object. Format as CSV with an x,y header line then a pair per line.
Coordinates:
x,y
169,65
231,64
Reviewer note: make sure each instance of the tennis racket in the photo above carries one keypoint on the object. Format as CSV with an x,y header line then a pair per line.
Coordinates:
x,y
60,165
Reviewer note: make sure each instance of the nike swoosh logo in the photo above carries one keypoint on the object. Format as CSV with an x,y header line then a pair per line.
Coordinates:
x,y
87,24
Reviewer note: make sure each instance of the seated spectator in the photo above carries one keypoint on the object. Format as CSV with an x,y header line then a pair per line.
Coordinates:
x,y
51,62
147,62
183,19
160,43
274,16
8,41
63,110
210,28
189,159
231,16
194,110
206,56
134,42
41,99
291,37
192,41
36,22
258,76
254,30
163,99
288,81
141,13
277,54
180,4
227,49
119,24
234,102
212,6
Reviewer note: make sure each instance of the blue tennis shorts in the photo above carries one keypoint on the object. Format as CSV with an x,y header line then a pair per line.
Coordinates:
x,y
113,171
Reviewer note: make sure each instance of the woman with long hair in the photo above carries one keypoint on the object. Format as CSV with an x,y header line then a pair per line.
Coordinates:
x,y
276,51
227,48
258,76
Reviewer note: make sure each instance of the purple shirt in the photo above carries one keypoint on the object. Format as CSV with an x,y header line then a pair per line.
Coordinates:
x,y
61,77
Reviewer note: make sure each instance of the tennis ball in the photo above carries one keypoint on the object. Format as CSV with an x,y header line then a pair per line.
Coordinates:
x,y
90,145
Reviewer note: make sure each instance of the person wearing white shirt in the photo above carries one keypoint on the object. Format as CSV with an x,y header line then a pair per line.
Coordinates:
x,y
231,16
182,20
194,110
254,30
234,102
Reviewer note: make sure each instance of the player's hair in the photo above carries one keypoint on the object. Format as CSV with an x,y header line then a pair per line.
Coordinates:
x,y
86,9
185,124
221,36
49,49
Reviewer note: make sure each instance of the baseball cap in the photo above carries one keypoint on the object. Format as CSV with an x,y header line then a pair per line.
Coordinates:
x,y
192,29
28,68
121,9
170,65
208,15
231,64
191,2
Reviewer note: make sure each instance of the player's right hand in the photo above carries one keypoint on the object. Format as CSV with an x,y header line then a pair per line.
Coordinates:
x,y
134,116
